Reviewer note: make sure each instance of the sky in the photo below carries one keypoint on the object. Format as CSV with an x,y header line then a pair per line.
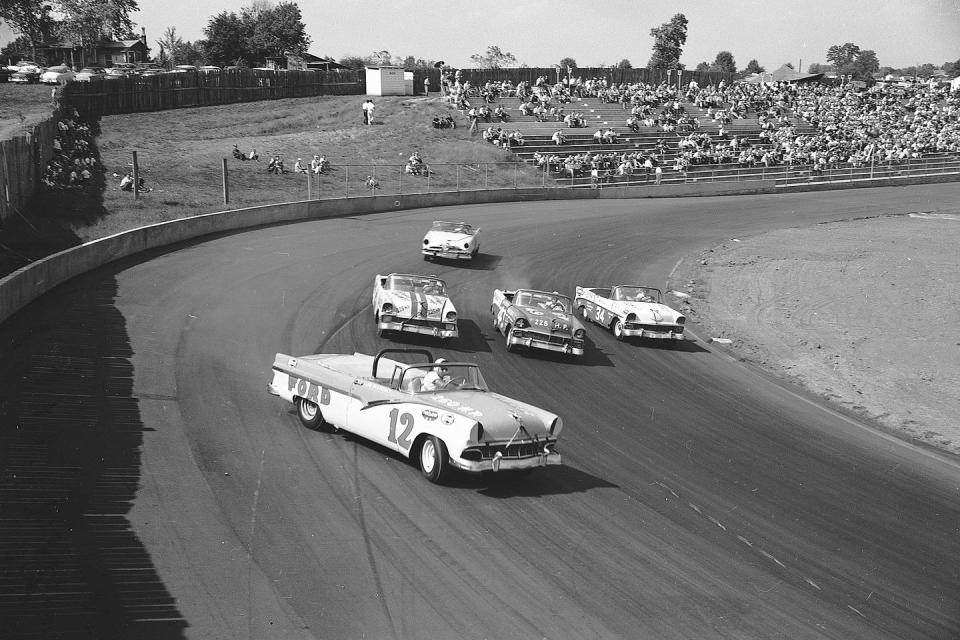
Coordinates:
x,y
539,33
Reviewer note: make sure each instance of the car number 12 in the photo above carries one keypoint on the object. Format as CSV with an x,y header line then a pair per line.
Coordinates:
x,y
406,422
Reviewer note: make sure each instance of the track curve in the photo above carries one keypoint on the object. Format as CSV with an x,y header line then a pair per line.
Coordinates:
x,y
699,498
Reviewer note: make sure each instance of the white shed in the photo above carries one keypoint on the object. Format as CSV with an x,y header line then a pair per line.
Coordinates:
x,y
387,81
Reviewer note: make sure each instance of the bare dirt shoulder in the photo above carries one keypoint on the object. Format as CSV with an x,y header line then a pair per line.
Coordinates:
x,y
862,312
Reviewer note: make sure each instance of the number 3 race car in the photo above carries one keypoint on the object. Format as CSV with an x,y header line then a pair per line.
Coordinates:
x,y
413,304
537,319
451,240
439,414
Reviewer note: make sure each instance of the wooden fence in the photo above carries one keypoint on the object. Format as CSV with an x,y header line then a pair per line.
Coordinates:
x,y
22,162
199,89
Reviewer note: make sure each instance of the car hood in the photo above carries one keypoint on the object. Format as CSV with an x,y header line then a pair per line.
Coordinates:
x,y
501,417
420,305
448,237
650,312
558,322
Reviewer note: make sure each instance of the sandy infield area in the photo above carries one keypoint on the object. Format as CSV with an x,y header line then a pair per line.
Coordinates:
x,y
864,312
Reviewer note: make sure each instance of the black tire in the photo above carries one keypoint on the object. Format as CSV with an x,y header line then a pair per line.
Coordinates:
x,y
432,459
509,334
617,329
310,415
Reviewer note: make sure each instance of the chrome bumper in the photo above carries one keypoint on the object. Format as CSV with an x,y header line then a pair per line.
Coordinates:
x,y
533,343
447,254
508,464
653,335
437,332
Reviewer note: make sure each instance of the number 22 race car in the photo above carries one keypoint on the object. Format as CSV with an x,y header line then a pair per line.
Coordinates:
x,y
439,414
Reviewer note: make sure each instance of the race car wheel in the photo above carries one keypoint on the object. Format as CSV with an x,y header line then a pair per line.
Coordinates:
x,y
507,342
310,414
618,330
433,459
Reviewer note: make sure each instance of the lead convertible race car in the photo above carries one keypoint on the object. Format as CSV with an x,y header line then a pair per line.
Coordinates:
x,y
439,414
413,304
451,240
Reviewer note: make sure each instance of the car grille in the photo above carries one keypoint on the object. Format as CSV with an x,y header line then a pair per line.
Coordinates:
x,y
516,450
548,337
420,322
655,328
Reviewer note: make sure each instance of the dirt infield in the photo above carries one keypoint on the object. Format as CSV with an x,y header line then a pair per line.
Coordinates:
x,y
864,312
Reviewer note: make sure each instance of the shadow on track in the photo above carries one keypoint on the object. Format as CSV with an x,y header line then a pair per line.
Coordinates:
x,y
70,440
483,262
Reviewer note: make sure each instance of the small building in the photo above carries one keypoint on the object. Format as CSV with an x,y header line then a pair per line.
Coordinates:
x,y
105,53
304,61
388,81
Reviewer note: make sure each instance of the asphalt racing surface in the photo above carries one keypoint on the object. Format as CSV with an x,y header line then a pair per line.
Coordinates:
x,y
152,488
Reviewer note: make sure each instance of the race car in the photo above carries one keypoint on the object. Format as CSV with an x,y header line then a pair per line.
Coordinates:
x,y
413,304
451,241
537,319
439,414
630,311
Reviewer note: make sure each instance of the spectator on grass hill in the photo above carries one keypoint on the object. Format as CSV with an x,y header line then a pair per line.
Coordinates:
x,y
372,183
299,167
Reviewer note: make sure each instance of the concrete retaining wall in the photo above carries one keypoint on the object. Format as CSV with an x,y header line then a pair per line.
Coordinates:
x,y
29,283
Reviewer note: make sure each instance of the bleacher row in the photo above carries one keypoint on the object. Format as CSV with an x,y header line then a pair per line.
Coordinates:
x,y
605,115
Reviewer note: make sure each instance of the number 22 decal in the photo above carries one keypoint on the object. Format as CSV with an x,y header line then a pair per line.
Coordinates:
x,y
406,421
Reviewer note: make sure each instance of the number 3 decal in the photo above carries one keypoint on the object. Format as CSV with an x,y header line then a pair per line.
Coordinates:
x,y
406,421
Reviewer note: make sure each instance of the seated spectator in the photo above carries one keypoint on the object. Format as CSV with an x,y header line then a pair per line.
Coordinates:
x,y
299,167
633,124
126,182
598,136
254,155
372,183
500,113
238,154
558,137
275,165
516,138
609,136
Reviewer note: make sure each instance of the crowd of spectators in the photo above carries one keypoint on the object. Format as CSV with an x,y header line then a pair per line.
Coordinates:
x,y
74,163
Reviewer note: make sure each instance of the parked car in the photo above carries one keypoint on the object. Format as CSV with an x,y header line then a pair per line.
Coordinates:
x,y
59,74
630,311
31,76
413,304
25,65
90,73
451,240
116,72
456,423
538,320
210,69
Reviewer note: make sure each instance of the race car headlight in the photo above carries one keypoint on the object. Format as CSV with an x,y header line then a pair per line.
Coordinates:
x,y
556,426
426,241
681,320
579,334
521,323
631,317
451,316
387,308
466,245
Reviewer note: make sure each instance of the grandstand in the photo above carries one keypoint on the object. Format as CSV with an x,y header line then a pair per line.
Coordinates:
x,y
582,148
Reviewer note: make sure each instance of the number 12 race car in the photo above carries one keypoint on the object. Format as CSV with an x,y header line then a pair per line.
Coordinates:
x,y
439,414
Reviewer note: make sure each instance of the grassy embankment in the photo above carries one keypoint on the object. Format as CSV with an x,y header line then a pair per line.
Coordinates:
x,y
180,155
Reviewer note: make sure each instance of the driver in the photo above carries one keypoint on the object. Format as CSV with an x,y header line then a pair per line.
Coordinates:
x,y
438,377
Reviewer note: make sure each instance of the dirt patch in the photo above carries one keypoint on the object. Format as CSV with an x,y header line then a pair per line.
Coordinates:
x,y
863,312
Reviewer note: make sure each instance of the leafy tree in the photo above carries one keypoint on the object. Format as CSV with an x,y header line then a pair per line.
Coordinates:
x,y
172,47
868,61
30,18
753,67
703,67
816,67
842,54
623,64
276,30
668,41
353,62
568,62
724,62
951,68
226,39
94,20
494,58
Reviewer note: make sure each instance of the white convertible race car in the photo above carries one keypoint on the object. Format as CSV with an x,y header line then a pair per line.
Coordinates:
x,y
439,414
413,304
452,241
630,312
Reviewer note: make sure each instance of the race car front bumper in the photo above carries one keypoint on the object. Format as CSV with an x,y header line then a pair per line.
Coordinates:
x,y
436,329
447,254
665,334
522,338
503,463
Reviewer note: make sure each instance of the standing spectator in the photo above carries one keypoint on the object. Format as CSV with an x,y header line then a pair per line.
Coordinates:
x,y
659,172
426,86
367,111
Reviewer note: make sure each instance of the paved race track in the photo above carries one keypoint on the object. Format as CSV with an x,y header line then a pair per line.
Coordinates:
x,y
152,488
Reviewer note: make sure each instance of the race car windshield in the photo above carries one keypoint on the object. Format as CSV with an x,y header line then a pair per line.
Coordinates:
x,y
636,294
429,378
430,286
452,227
548,301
